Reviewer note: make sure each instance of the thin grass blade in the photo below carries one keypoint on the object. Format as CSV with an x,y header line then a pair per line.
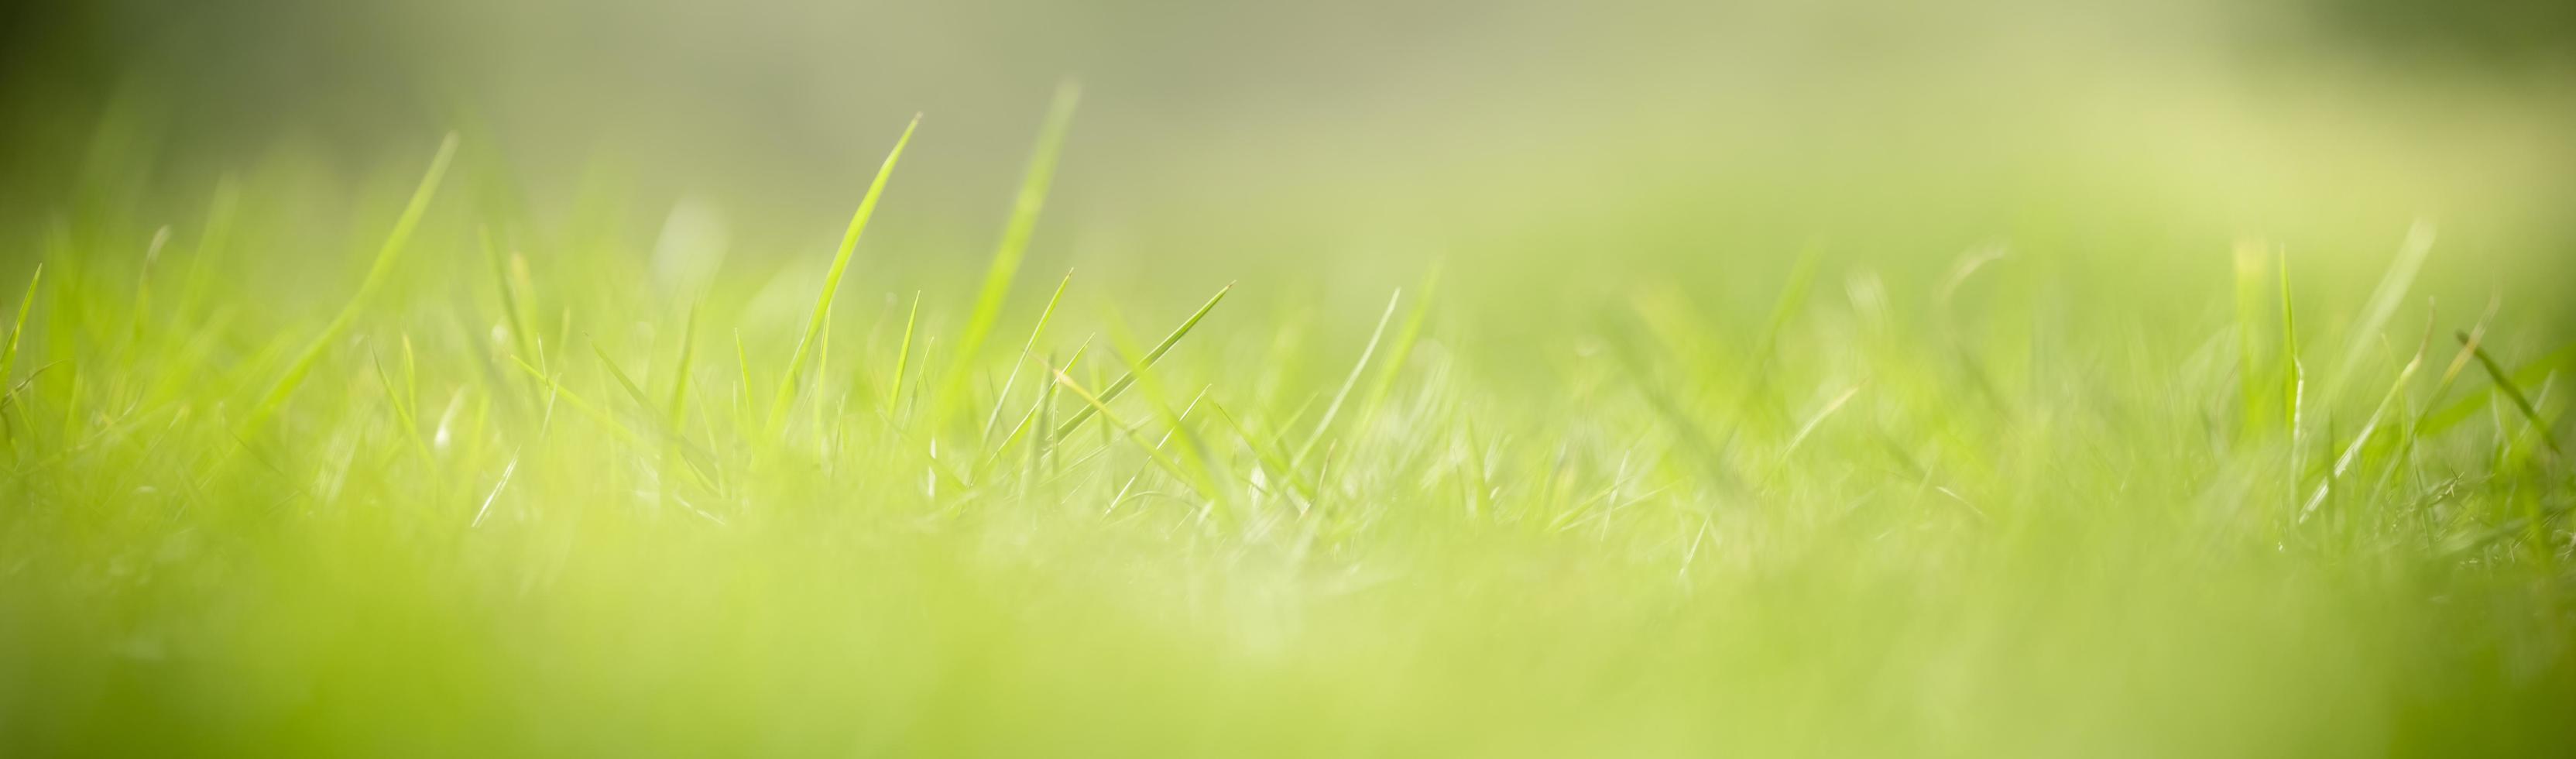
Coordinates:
x,y
832,279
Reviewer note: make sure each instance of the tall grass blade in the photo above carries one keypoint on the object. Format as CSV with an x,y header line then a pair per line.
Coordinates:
x,y
2352,452
1014,243
1403,349
1011,380
1334,408
902,356
832,280
2383,301
375,280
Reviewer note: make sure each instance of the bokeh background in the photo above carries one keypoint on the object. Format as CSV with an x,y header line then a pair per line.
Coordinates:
x,y
1539,147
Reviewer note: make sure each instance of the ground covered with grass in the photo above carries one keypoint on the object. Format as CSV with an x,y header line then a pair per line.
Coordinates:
x,y
493,487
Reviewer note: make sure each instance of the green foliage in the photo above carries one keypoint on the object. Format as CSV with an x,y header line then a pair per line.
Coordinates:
x,y
1907,521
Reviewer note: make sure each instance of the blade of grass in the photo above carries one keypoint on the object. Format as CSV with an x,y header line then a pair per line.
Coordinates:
x,y
1194,451
2352,452
2383,300
1025,350
634,391
1035,416
1044,445
2294,382
2424,418
1403,348
1013,245
1151,356
2513,392
375,279
2535,370
1173,429
832,280
1100,405
1334,408
902,356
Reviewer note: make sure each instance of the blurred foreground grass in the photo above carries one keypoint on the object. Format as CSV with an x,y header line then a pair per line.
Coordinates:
x,y
493,485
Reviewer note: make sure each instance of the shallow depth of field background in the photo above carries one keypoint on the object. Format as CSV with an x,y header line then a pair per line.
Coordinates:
x,y
1860,377
1348,142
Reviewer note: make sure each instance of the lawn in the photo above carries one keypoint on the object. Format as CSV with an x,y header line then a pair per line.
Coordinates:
x,y
473,479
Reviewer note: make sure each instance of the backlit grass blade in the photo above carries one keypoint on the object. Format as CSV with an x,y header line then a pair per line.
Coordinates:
x,y
633,391
1025,350
1036,418
2352,452
1044,444
832,280
375,279
1403,349
902,356
1334,408
2425,423
1014,243
2294,383
1101,405
1151,356
1173,428
1193,449
2383,301
2535,370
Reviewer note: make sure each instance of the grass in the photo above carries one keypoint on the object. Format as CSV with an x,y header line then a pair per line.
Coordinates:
x,y
1902,522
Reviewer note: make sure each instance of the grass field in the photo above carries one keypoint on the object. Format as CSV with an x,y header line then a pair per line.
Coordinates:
x,y
474,480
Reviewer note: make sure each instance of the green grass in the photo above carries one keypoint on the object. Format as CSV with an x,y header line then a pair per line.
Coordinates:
x,y
499,501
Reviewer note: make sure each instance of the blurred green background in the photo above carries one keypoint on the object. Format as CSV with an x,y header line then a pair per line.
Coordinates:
x,y
1356,138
